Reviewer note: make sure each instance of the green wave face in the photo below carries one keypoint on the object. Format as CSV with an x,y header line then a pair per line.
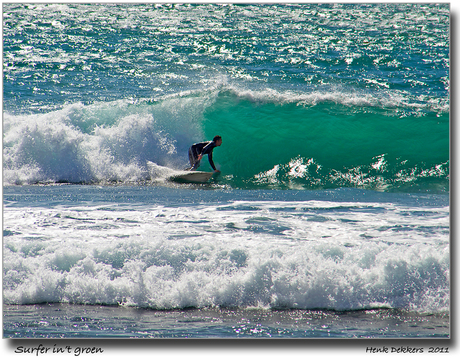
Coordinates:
x,y
328,145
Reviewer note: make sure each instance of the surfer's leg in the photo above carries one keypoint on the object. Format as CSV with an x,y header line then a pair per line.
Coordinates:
x,y
196,165
194,162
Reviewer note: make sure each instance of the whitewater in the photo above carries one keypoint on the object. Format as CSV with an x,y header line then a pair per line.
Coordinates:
x,y
330,217
168,248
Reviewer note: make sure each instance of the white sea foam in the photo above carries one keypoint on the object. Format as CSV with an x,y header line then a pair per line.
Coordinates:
x,y
342,96
311,254
101,142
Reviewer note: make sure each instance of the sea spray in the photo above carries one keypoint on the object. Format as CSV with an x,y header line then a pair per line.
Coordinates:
x,y
272,143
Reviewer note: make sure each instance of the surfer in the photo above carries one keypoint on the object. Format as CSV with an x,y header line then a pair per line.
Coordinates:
x,y
197,150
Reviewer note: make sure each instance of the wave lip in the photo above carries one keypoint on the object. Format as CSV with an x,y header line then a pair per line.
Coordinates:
x,y
338,94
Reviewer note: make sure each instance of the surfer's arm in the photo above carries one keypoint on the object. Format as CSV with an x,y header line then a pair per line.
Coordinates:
x,y
211,162
203,150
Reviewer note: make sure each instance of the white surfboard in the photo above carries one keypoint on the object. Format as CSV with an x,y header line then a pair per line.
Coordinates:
x,y
158,172
192,177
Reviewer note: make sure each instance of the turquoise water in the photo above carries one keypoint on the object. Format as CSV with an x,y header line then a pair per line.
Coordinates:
x,y
333,200
312,99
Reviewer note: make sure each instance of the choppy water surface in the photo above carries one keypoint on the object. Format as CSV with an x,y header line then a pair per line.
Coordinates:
x,y
330,217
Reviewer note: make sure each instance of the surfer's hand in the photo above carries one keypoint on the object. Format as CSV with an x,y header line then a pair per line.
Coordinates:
x,y
200,156
216,171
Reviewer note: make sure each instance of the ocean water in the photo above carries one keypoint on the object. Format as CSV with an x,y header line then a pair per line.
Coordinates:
x,y
330,217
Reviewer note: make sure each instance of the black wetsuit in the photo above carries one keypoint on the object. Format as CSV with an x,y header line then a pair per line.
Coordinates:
x,y
202,148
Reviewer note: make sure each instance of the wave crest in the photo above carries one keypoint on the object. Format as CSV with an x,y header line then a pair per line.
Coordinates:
x,y
271,139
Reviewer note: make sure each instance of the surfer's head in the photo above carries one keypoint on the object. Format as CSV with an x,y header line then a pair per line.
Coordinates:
x,y
218,140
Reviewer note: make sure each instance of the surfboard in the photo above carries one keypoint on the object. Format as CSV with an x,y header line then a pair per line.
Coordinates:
x,y
192,177
158,172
